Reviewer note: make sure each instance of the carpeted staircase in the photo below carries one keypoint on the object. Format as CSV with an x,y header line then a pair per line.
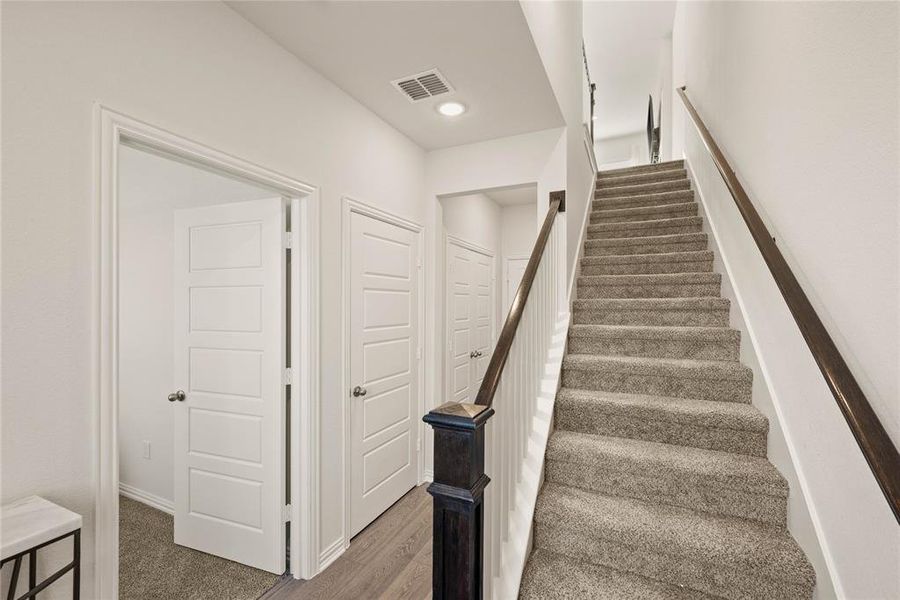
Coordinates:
x,y
656,482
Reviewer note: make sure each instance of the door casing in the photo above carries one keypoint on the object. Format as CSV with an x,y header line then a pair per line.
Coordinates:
x,y
111,130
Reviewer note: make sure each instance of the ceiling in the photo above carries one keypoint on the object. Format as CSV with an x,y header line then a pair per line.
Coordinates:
x,y
483,48
623,42
511,196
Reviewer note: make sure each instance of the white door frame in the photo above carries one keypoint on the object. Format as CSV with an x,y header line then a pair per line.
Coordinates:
x,y
452,239
352,205
111,129
506,299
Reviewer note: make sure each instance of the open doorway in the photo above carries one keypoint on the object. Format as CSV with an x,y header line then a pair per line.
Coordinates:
x,y
207,391
488,235
202,342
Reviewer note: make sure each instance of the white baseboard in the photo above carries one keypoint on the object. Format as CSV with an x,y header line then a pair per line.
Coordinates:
x,y
151,500
331,554
582,236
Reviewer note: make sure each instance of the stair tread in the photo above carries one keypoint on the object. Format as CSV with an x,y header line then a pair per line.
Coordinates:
x,y
668,238
660,166
703,413
668,367
684,463
699,303
654,332
727,542
643,210
552,576
650,279
653,198
625,190
647,224
664,257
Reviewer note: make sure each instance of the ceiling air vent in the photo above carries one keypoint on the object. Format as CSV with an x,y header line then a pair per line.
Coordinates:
x,y
423,85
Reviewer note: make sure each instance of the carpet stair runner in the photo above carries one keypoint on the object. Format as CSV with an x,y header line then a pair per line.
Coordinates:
x,y
656,482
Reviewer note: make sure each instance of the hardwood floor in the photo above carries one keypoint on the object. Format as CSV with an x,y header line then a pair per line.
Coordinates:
x,y
389,559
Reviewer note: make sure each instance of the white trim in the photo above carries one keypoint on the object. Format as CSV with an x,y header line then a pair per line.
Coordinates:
x,y
331,554
452,239
111,129
576,271
351,205
151,500
589,147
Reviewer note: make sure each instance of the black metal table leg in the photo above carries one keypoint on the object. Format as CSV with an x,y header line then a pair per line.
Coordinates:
x,y
32,570
76,571
14,581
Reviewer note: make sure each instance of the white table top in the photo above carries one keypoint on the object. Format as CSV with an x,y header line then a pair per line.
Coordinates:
x,y
31,521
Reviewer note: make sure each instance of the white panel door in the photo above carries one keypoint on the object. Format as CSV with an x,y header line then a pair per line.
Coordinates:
x,y
461,315
384,338
229,360
483,322
470,315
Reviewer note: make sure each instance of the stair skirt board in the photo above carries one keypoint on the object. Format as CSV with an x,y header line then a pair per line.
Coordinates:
x,y
656,481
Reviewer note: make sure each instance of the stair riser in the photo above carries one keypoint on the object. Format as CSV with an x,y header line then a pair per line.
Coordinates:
x,y
639,190
647,200
696,349
603,217
648,268
675,489
629,555
716,390
692,290
663,166
649,177
600,232
648,248
662,317
570,416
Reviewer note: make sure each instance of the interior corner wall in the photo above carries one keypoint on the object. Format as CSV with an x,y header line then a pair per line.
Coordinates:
x,y
163,63
802,98
556,28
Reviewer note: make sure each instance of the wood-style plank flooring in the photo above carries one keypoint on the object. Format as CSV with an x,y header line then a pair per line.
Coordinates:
x,y
389,559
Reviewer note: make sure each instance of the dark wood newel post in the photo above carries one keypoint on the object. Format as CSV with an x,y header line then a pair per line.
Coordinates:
x,y
458,492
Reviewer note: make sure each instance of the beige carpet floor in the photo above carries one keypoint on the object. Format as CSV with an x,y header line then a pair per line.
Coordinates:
x,y
152,567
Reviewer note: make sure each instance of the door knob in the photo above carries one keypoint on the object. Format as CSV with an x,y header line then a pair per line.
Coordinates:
x,y
359,391
473,354
179,395
478,353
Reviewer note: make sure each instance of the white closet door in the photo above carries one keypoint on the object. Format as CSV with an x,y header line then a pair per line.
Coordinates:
x,y
470,313
229,361
461,313
384,341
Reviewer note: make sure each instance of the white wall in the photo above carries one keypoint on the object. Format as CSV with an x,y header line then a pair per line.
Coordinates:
x,y
164,63
622,151
151,188
802,98
518,229
557,31
474,218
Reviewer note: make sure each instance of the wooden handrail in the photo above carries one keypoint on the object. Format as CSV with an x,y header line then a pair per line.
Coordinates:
x,y
491,381
877,447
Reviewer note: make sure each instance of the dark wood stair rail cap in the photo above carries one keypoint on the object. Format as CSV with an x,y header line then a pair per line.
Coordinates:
x,y
459,480
877,447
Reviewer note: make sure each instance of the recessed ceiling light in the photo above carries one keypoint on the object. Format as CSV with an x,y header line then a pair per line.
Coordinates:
x,y
451,109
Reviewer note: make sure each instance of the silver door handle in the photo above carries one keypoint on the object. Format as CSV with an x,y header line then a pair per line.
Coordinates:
x,y
179,395
359,391
475,354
